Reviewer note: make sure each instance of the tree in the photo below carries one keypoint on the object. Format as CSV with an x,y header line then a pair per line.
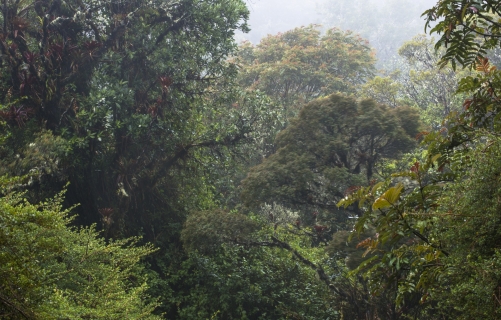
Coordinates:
x,y
466,29
323,152
470,35
289,274
437,228
419,83
257,266
431,238
138,97
134,102
51,270
469,218
438,223
300,65
438,232
251,278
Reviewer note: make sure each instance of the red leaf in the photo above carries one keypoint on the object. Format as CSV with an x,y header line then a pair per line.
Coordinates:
x,y
415,167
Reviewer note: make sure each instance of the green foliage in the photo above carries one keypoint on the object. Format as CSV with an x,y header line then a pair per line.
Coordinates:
x,y
135,103
481,109
49,270
437,222
206,231
438,236
300,65
402,250
251,283
384,90
468,29
468,227
241,267
42,158
419,83
323,151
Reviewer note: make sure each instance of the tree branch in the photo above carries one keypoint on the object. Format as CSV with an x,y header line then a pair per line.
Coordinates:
x,y
320,271
13,306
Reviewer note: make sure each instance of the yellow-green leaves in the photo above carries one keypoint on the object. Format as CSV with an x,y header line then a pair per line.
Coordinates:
x,y
49,270
388,198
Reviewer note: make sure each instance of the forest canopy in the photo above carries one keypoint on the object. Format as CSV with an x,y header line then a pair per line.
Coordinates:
x,y
302,64
153,168
333,144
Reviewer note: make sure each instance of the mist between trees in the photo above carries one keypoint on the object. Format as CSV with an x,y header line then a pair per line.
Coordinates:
x,y
385,24
339,165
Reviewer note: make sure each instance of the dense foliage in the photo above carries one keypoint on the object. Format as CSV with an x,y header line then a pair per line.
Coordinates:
x,y
206,180
126,114
245,270
419,83
51,270
326,148
437,222
300,65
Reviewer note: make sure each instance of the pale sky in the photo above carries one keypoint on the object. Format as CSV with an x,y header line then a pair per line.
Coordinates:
x,y
385,23
273,16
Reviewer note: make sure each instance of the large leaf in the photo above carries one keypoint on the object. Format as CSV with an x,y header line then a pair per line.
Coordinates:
x,y
388,198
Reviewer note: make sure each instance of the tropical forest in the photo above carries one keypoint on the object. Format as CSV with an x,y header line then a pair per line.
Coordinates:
x,y
250,159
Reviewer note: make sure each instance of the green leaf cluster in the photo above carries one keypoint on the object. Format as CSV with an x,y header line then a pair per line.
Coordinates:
x,y
49,270
325,149
418,82
303,64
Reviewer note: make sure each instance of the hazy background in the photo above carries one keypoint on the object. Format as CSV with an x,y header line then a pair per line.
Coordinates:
x,y
385,23
273,16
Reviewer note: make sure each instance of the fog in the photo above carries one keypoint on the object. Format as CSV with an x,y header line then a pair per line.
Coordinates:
x,y
386,24
273,16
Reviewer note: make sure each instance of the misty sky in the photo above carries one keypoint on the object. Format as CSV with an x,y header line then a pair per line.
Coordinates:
x,y
273,16
387,24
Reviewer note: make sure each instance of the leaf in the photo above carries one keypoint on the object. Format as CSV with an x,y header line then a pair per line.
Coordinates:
x,y
362,265
435,157
388,198
377,187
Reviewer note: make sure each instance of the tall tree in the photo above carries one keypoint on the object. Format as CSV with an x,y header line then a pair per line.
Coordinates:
x,y
431,238
133,102
438,229
302,64
243,273
420,83
132,93
325,149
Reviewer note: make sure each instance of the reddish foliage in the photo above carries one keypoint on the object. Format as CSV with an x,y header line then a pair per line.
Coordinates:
x,y
319,229
415,167
153,110
352,189
106,212
19,24
56,51
29,57
27,82
16,115
166,82
421,134
92,45
467,103
364,243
